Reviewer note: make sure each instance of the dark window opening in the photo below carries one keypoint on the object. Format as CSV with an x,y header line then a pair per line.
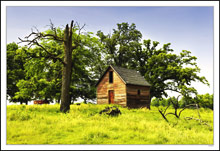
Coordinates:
x,y
111,77
139,92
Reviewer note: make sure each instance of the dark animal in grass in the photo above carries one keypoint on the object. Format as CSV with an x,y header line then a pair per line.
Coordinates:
x,y
112,111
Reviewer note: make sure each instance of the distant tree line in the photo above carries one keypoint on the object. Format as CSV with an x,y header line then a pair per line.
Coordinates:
x,y
203,101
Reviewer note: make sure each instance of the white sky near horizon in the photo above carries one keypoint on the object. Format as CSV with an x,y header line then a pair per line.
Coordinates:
x,y
189,28
186,28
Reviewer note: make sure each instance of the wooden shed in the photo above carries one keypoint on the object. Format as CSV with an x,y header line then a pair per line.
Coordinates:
x,y
123,86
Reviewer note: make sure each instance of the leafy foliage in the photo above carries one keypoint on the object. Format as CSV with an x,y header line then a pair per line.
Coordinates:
x,y
203,100
163,69
160,102
43,77
119,46
15,72
43,73
168,71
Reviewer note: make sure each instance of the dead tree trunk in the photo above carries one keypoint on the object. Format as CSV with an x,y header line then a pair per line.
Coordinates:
x,y
67,62
67,67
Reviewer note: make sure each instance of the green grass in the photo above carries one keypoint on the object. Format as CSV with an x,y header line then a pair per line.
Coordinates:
x,y
44,124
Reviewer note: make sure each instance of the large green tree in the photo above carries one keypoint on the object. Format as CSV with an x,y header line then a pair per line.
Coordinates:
x,y
167,71
15,72
161,67
120,45
68,53
43,77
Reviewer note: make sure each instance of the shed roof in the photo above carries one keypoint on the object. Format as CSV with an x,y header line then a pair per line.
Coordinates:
x,y
128,76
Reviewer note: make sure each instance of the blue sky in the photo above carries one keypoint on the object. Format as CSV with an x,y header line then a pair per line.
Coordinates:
x,y
186,28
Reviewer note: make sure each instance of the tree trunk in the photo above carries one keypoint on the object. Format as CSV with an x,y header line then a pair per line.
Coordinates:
x,y
85,101
67,67
148,105
58,100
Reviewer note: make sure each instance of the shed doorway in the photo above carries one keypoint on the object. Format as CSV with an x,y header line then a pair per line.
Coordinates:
x,y
111,96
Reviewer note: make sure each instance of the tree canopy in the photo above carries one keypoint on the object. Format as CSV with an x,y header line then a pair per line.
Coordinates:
x,y
121,45
60,59
15,72
36,71
162,68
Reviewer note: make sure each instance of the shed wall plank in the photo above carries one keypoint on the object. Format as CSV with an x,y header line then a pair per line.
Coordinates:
x,y
118,86
134,100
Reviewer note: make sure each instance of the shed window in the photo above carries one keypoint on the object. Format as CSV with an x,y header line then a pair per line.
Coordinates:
x,y
111,77
139,92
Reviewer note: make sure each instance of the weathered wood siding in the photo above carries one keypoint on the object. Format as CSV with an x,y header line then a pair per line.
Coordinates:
x,y
118,86
134,100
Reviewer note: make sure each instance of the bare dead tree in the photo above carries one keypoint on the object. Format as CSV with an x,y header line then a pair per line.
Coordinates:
x,y
199,120
162,112
69,43
176,107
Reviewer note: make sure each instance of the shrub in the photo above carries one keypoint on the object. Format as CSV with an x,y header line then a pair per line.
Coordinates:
x,y
160,102
155,102
205,100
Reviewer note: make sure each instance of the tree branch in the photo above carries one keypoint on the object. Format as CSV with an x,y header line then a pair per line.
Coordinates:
x,y
166,109
54,37
161,112
50,54
40,36
35,42
172,90
186,107
201,122
170,113
77,42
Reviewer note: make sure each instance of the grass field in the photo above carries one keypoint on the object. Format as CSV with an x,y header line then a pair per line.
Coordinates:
x,y
44,124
